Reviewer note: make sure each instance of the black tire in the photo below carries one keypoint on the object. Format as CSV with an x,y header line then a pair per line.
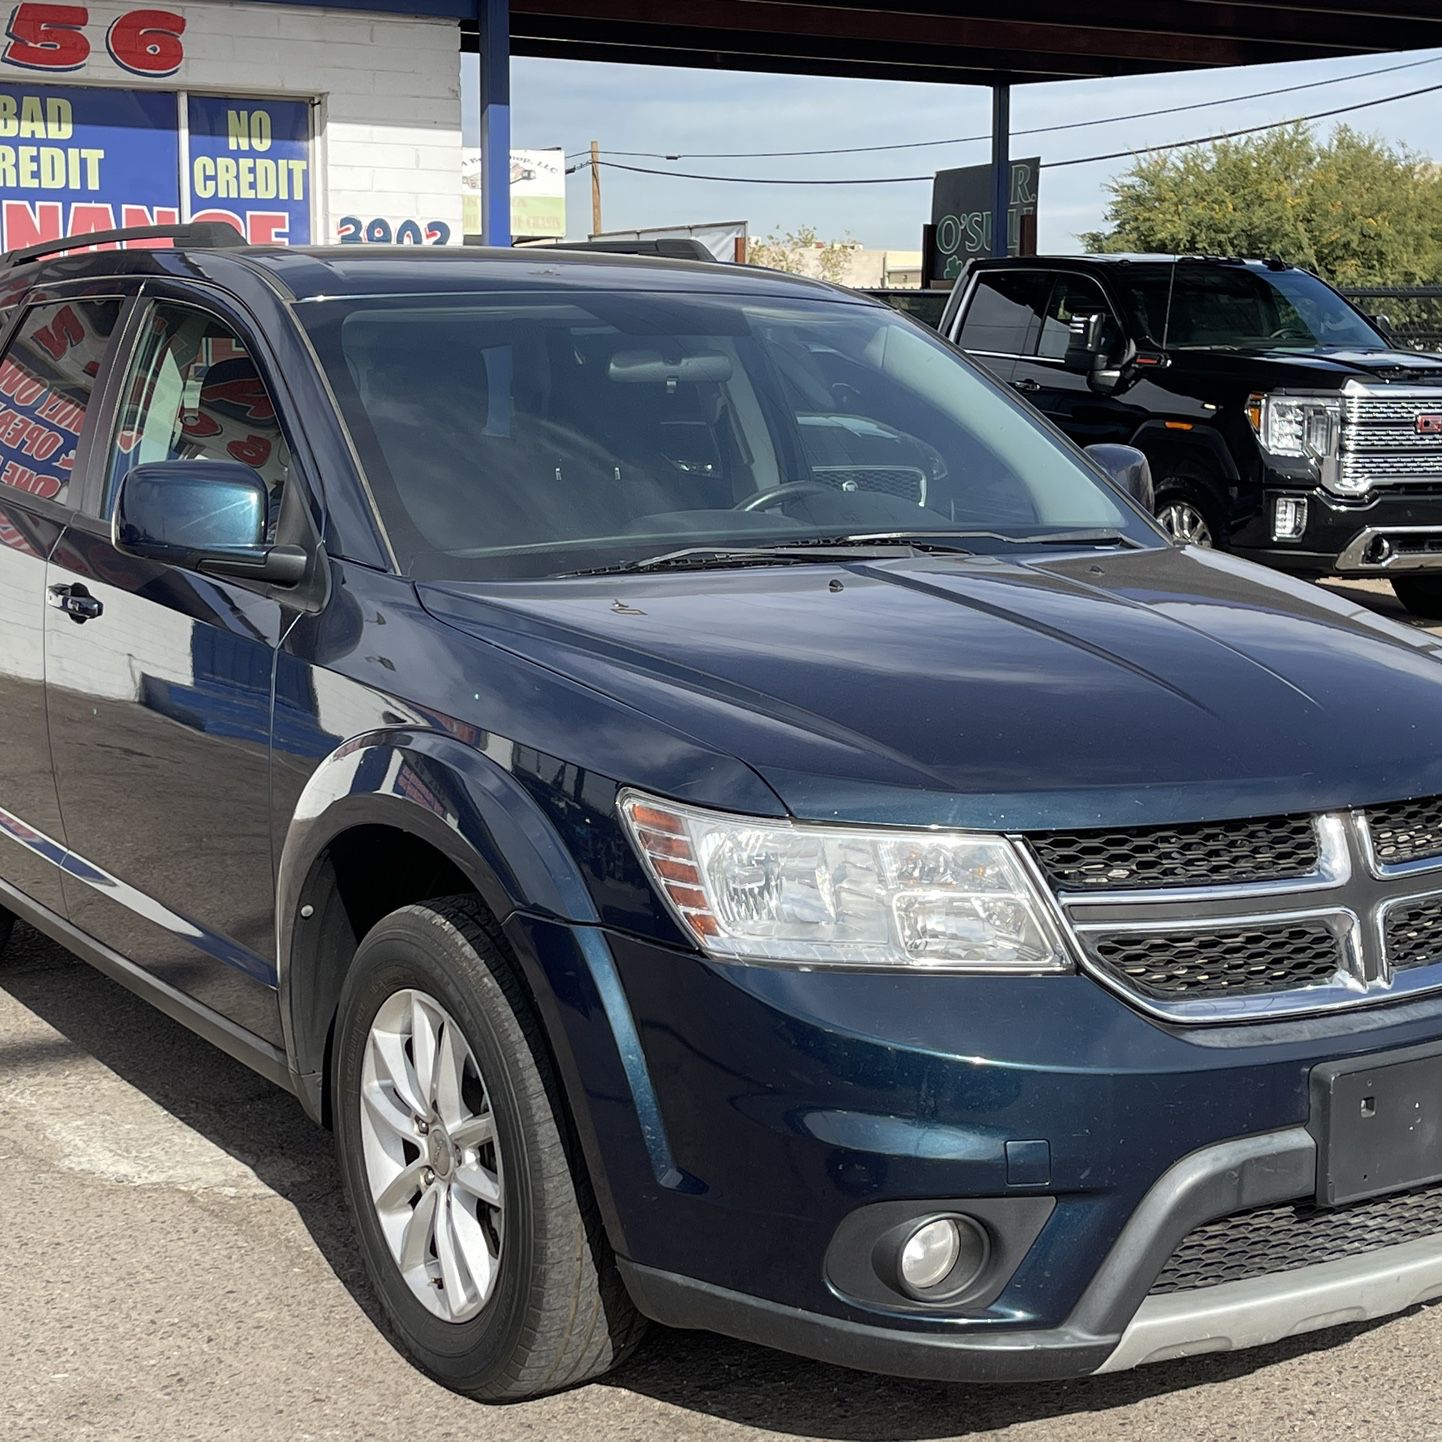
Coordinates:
x,y
7,925
1180,491
559,1314
1421,595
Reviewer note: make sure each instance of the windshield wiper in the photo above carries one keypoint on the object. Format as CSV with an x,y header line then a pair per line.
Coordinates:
x,y
819,550
1061,538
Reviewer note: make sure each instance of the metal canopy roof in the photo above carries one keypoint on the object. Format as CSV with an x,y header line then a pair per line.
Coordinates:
x,y
969,43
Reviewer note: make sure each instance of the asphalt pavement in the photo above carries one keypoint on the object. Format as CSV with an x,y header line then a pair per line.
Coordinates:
x,y
175,1263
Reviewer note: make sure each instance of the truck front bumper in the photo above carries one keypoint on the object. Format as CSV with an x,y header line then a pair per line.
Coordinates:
x,y
1393,531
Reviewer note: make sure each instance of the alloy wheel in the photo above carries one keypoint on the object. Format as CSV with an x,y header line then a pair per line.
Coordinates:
x,y
1183,522
432,1155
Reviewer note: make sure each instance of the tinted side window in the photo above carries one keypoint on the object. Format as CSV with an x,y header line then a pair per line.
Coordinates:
x,y
47,379
1073,296
194,393
1004,312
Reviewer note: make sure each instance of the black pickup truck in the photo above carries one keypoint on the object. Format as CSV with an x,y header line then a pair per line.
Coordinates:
x,y
1280,421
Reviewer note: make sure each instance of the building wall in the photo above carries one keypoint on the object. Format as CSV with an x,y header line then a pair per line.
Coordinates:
x,y
386,94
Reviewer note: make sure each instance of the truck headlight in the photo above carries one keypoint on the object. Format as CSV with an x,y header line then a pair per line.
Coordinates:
x,y
1307,427
765,890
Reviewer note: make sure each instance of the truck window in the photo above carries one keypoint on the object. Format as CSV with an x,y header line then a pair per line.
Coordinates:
x,y
1004,312
1073,296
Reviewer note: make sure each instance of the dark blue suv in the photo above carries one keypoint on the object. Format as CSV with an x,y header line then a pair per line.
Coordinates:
x,y
729,816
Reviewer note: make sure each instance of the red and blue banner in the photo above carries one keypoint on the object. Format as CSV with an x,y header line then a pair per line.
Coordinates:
x,y
76,160
250,165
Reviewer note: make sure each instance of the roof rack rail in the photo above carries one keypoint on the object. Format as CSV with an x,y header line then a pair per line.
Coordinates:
x,y
203,235
666,247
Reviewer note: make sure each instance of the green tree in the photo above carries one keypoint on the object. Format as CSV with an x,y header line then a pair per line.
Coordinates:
x,y
802,253
1350,207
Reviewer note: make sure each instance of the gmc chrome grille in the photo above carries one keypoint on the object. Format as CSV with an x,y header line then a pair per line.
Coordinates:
x,y
1264,917
1381,442
1297,1234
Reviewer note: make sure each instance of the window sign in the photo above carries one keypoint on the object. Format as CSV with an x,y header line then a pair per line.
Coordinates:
x,y
250,165
76,160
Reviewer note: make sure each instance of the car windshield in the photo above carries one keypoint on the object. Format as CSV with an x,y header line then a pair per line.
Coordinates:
x,y
535,435
1199,306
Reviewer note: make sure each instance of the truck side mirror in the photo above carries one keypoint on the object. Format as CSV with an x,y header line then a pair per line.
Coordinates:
x,y
1084,346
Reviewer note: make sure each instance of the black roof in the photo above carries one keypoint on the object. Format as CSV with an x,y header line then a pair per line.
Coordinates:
x,y
967,42
1124,258
307,273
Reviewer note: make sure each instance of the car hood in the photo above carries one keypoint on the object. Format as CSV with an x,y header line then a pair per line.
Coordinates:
x,y
1323,368
1090,689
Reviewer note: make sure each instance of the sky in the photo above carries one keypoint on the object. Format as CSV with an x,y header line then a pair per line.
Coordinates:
x,y
627,107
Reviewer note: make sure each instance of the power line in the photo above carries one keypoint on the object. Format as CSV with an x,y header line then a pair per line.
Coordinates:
x,y
1035,130
1046,165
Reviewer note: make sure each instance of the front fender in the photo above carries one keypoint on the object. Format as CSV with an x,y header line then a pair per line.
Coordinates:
x,y
460,800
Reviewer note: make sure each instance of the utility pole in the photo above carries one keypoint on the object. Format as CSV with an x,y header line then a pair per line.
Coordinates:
x,y
595,187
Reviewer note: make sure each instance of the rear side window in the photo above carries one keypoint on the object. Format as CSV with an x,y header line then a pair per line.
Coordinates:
x,y
47,380
1005,312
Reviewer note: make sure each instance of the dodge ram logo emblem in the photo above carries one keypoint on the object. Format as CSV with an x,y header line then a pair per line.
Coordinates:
x,y
1429,425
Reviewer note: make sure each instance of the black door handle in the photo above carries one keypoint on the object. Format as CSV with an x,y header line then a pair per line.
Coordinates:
x,y
1026,385
76,602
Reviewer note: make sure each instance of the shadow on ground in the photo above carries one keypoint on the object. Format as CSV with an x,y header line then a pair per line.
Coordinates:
x,y
265,1129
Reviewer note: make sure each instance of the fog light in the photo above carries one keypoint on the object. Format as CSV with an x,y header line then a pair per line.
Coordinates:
x,y
1289,518
930,1254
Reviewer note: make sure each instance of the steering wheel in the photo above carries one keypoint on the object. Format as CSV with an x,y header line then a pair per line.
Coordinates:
x,y
1293,332
764,500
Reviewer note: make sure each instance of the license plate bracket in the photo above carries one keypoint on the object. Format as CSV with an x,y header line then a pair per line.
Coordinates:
x,y
1377,1122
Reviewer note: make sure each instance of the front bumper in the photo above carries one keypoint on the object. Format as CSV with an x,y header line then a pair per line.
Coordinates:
x,y
1394,530
751,1114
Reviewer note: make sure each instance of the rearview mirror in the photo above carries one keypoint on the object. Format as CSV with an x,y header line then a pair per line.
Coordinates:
x,y
207,516
1130,469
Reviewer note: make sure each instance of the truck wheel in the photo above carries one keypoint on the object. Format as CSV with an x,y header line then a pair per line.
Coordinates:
x,y
7,925
1421,595
478,1224
1187,513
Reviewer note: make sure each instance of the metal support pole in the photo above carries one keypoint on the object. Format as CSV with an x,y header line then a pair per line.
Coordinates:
x,y
1000,167
494,20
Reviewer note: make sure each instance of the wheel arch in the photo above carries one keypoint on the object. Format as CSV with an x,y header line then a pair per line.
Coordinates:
x,y
389,819
1200,451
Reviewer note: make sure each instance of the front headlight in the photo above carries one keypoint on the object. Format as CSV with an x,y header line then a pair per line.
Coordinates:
x,y
1306,427
763,890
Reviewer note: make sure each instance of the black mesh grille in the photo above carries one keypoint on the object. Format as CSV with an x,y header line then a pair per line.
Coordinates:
x,y
906,482
1297,1234
1205,854
1407,831
1233,961
1414,933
